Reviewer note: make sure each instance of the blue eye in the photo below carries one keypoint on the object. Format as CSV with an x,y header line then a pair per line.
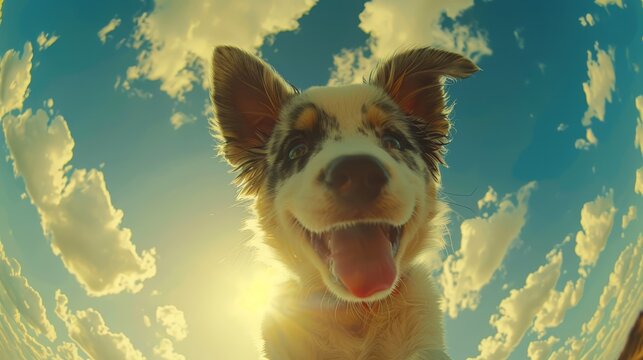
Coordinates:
x,y
391,142
297,151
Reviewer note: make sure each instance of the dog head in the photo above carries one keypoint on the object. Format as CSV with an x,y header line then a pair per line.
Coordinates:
x,y
344,179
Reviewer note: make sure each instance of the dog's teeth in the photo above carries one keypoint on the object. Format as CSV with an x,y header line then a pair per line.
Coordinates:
x,y
394,247
331,267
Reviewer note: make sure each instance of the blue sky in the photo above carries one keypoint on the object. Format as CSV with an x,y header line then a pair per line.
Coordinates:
x,y
560,158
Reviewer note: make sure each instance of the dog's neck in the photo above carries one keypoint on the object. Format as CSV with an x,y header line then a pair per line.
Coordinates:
x,y
317,304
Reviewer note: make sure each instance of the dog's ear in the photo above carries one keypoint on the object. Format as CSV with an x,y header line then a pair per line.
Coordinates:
x,y
247,95
414,80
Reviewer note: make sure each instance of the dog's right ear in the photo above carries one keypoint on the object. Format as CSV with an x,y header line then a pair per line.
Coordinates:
x,y
247,95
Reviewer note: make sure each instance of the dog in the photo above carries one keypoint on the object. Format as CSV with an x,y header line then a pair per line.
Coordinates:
x,y
344,185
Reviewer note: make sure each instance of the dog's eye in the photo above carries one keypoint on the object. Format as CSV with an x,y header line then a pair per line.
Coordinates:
x,y
391,142
297,151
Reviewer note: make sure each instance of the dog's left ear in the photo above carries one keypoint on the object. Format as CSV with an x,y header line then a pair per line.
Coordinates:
x,y
247,95
414,80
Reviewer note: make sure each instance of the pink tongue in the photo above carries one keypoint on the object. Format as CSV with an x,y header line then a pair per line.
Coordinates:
x,y
362,259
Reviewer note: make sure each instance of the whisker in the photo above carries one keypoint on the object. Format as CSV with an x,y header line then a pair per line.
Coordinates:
x,y
456,194
463,206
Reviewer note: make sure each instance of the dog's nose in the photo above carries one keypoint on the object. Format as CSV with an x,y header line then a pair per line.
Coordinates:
x,y
356,178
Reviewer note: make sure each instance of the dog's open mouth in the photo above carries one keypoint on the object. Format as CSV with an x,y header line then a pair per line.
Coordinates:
x,y
360,255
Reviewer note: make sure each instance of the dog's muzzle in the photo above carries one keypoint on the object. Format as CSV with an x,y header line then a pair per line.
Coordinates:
x,y
355,179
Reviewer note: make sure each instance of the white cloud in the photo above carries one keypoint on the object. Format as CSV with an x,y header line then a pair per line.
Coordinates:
x,y
490,197
628,217
24,324
179,119
45,40
146,321
111,26
597,219
351,66
605,3
600,85
68,351
176,39
625,290
587,20
20,300
484,244
570,351
173,321
562,127
638,138
553,310
517,311
520,40
590,140
165,351
540,350
23,317
392,25
15,77
76,212
88,329
638,185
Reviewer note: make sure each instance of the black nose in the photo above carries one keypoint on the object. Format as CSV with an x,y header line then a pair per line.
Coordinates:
x,y
356,178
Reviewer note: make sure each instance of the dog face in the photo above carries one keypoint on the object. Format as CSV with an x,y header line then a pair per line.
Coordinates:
x,y
344,178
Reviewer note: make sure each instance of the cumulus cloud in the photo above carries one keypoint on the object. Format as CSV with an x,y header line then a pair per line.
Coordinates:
x,y
20,300
76,212
179,119
68,351
517,311
46,40
173,321
590,140
484,244
597,219
111,26
392,25
88,329
605,3
628,217
562,127
490,197
600,85
638,138
587,20
175,39
165,351
23,317
351,66
15,77
553,310
24,324
625,290
638,184
541,349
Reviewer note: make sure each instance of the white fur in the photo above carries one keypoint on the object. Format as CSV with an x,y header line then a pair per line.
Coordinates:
x,y
315,317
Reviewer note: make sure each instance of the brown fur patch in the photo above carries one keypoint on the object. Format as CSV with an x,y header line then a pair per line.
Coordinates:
x,y
247,95
376,116
306,119
413,79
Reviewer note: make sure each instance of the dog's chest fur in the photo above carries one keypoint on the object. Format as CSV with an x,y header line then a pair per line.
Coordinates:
x,y
302,326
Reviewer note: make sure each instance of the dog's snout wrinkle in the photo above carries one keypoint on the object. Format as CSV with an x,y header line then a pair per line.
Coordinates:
x,y
357,179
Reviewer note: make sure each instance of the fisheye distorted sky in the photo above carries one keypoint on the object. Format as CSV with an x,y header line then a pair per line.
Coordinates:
x,y
120,234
